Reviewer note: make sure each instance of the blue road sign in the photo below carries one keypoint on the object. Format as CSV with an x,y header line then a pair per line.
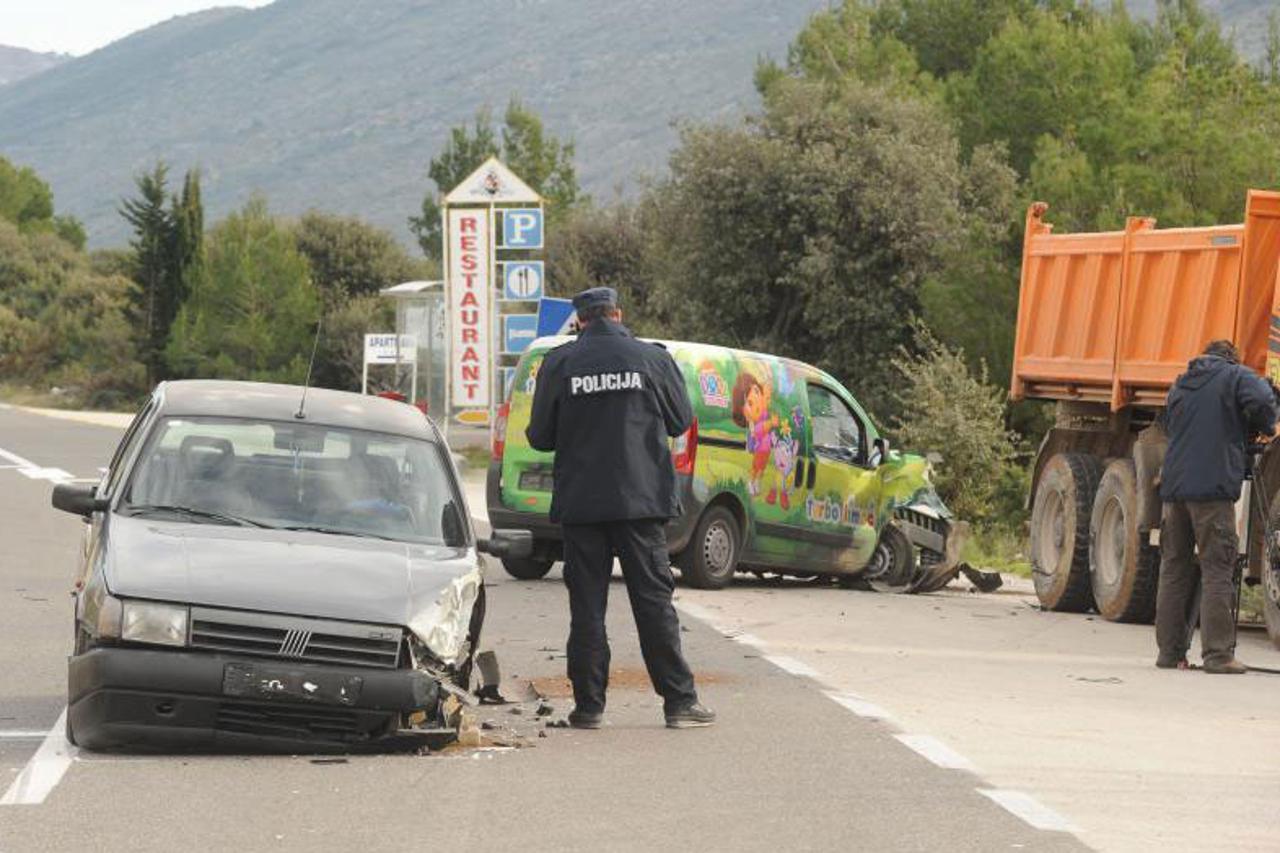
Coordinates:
x,y
522,280
518,331
554,316
522,228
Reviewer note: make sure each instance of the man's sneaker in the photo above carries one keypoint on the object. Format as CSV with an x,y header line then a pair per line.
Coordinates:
x,y
691,716
585,719
1230,666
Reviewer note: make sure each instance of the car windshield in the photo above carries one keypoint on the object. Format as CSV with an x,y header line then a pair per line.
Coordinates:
x,y
296,476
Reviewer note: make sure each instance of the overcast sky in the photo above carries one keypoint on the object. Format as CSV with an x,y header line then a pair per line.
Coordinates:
x,y
81,26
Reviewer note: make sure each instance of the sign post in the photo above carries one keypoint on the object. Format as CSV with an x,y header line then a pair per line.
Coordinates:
x,y
390,349
491,211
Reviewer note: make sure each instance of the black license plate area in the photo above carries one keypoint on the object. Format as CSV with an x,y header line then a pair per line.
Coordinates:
x,y
536,481
273,681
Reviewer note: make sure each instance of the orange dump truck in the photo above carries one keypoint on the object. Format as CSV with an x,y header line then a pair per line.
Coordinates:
x,y
1106,322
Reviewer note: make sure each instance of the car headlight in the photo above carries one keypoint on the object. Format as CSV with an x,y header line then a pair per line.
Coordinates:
x,y
147,622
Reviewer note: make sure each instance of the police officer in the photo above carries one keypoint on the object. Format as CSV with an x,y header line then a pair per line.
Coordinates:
x,y
606,403
1212,410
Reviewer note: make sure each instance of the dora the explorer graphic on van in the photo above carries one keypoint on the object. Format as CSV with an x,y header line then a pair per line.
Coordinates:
x,y
751,399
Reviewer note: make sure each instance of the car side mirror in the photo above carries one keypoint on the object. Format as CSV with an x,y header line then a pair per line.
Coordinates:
x,y
78,499
507,543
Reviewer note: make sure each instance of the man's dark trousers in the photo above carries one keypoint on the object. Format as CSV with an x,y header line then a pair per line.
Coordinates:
x,y
641,547
1210,525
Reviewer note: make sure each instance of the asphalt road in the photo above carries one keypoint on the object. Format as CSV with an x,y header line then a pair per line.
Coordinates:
x,y
792,765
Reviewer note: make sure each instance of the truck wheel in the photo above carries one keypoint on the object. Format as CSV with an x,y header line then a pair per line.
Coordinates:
x,y
893,565
527,568
1122,569
1271,573
712,556
1060,531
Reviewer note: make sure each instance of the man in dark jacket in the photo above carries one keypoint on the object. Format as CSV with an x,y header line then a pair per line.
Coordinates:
x,y
1212,411
607,404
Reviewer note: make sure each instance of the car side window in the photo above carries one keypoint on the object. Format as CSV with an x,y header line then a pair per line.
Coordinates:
x,y
837,432
125,448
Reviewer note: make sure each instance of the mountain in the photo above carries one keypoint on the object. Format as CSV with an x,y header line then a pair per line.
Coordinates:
x,y
1244,20
17,63
340,104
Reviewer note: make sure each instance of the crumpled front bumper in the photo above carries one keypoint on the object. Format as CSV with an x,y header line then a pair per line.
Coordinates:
x,y
940,539
159,699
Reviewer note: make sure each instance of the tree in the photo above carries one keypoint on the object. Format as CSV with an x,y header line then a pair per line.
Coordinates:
x,y
810,231
252,312
152,245
348,257
542,161
62,323
167,255
606,247
945,408
27,202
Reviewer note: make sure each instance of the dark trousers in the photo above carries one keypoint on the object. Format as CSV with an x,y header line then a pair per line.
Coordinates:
x,y
1209,526
641,546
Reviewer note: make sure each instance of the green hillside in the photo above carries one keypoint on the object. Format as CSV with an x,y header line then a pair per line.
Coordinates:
x,y
340,103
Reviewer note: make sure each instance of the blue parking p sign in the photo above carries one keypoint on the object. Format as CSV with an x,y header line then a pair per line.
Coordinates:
x,y
522,228
518,331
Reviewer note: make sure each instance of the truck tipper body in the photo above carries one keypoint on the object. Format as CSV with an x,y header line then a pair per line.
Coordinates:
x,y
1106,323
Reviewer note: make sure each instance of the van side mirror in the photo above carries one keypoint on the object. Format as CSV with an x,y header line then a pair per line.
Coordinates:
x,y
78,499
507,543
880,451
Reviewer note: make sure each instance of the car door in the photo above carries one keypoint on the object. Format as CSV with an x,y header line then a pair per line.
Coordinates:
x,y
845,487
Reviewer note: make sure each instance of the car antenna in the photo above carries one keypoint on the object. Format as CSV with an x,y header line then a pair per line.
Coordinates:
x,y
301,414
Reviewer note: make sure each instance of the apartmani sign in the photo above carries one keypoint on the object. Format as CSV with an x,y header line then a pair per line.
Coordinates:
x,y
491,211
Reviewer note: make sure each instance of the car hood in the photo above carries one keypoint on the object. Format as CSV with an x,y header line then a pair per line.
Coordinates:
x,y
279,571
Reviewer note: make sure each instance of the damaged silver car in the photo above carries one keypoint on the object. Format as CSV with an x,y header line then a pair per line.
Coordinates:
x,y
262,574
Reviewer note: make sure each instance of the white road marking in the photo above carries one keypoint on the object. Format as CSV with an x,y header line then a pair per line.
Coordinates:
x,y
747,640
937,752
18,734
1029,809
859,706
44,770
56,475
1022,805
16,459
793,666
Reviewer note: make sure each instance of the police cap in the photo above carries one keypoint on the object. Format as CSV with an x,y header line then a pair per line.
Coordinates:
x,y
595,296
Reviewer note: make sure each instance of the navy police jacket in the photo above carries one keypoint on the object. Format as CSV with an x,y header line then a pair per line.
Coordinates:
x,y
1212,410
606,403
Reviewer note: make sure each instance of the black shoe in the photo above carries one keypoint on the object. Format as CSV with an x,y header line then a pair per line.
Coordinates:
x,y
585,719
691,716
1230,666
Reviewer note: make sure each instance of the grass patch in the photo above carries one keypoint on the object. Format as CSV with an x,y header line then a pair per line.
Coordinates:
x,y
998,549
477,456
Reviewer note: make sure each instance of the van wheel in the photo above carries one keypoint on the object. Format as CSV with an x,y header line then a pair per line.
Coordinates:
x,y
527,568
712,556
893,565
1060,531
1123,571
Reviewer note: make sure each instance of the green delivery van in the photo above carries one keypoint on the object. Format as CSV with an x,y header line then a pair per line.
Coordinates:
x,y
782,471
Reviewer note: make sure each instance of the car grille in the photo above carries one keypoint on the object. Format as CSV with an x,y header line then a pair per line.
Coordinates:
x,y
316,640
934,525
290,722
